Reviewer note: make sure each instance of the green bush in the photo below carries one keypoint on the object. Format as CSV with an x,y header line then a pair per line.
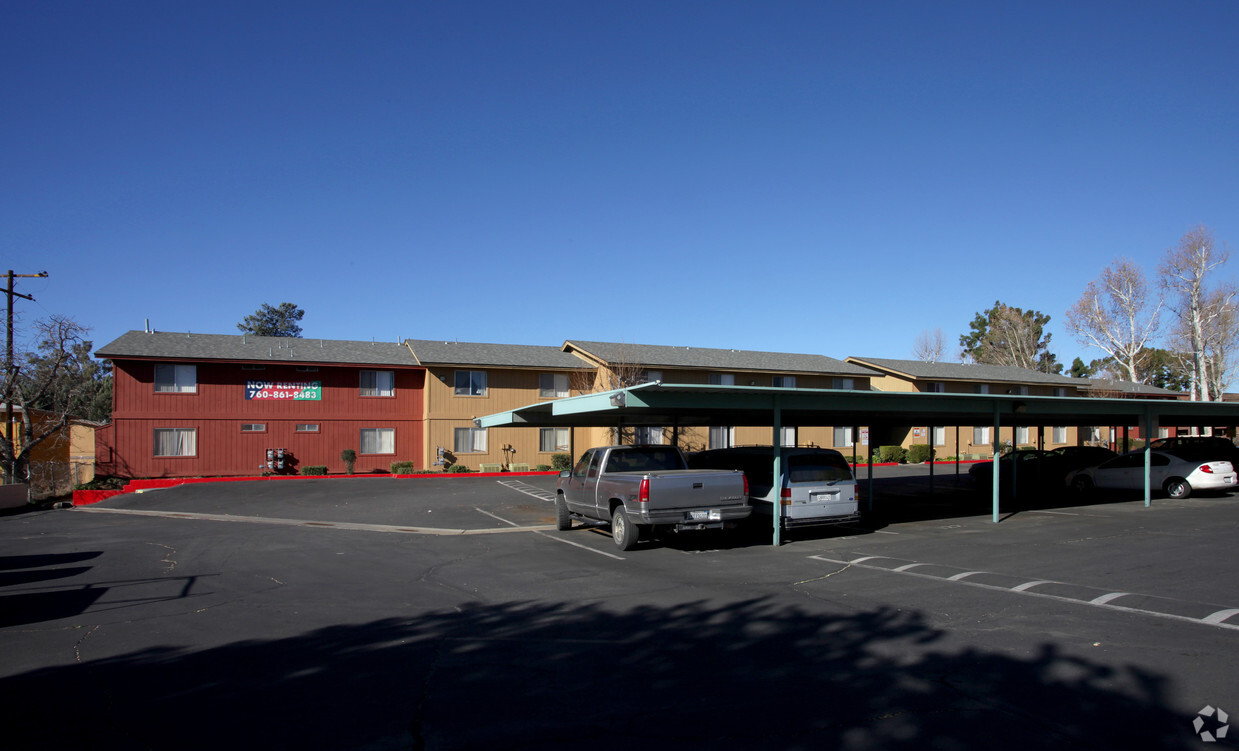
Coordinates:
x,y
314,469
560,462
919,453
458,469
543,468
349,457
889,454
402,468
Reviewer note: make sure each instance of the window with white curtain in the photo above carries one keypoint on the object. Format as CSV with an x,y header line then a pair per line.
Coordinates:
x,y
378,440
982,388
722,379
650,435
788,435
553,439
783,382
378,383
468,440
939,435
176,442
1021,435
176,379
471,383
1059,435
842,437
844,383
553,385
722,438
980,436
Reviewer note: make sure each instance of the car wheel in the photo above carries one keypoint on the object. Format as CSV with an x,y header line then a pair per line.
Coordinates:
x,y
563,520
623,531
1082,484
1177,487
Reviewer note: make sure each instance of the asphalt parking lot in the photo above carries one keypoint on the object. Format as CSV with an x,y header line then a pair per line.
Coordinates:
x,y
448,613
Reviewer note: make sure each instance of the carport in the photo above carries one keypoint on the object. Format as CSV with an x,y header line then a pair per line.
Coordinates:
x,y
658,404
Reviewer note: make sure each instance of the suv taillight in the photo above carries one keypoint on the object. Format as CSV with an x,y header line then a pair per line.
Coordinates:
x,y
643,495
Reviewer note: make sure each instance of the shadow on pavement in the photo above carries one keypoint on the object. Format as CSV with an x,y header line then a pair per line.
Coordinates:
x,y
559,675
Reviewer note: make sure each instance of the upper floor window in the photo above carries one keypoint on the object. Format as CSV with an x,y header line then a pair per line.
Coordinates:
x,y
982,388
378,383
252,366
649,376
552,385
844,383
935,387
722,379
471,383
176,379
785,382
307,368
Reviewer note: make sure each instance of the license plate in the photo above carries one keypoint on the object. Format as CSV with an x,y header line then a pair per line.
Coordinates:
x,y
712,515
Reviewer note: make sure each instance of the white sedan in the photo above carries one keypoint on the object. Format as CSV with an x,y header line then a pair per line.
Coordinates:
x,y
1176,476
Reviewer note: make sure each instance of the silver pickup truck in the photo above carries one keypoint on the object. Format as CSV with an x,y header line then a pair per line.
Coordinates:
x,y
639,487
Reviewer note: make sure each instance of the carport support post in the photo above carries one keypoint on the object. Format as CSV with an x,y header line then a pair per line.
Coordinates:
x,y
776,512
995,460
1148,457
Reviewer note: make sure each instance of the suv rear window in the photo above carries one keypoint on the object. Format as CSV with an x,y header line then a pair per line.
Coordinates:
x,y
818,468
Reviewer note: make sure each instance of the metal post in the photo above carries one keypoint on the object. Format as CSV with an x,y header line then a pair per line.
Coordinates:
x,y
777,491
995,461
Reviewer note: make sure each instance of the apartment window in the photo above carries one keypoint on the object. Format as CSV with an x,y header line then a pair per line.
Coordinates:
x,y
471,383
553,439
844,383
722,379
982,388
939,435
307,368
250,366
1060,391
552,385
176,379
935,387
722,438
307,428
1020,390
648,434
842,437
378,383
652,375
253,427
787,435
1021,436
468,440
176,442
980,436
378,440
1059,435
1161,433
783,382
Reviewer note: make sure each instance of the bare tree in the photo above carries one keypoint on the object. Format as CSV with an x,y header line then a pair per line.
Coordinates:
x,y
1221,338
929,346
1184,275
618,371
45,389
1114,315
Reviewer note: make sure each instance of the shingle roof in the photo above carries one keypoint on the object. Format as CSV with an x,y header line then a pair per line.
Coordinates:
x,y
164,345
430,352
954,371
715,359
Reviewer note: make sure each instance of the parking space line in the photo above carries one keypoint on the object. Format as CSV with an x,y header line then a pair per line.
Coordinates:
x,y
353,526
556,538
527,489
1217,619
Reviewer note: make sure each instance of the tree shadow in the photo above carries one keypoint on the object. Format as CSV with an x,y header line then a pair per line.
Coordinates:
x,y
542,675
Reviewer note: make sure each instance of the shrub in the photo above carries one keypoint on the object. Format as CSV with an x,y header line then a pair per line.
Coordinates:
x,y
888,454
543,468
920,453
458,469
560,462
102,482
314,469
349,457
402,468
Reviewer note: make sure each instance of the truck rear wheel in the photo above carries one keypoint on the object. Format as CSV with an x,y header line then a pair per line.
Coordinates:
x,y
623,531
563,520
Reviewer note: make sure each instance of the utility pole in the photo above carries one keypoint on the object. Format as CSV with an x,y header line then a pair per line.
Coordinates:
x,y
10,371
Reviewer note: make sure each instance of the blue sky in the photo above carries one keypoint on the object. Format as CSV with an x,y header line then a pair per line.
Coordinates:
x,y
829,177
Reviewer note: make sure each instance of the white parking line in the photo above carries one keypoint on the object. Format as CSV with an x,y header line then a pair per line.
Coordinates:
x,y
553,537
1217,619
398,528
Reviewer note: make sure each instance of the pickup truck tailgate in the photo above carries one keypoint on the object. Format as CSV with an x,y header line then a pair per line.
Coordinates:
x,y
672,489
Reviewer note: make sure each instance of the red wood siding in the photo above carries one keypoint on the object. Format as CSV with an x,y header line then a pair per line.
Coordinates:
x,y
219,408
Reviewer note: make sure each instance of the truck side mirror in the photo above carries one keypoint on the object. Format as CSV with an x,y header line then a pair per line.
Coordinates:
x,y
565,473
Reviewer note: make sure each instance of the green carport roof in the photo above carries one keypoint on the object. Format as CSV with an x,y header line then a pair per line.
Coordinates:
x,y
666,404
